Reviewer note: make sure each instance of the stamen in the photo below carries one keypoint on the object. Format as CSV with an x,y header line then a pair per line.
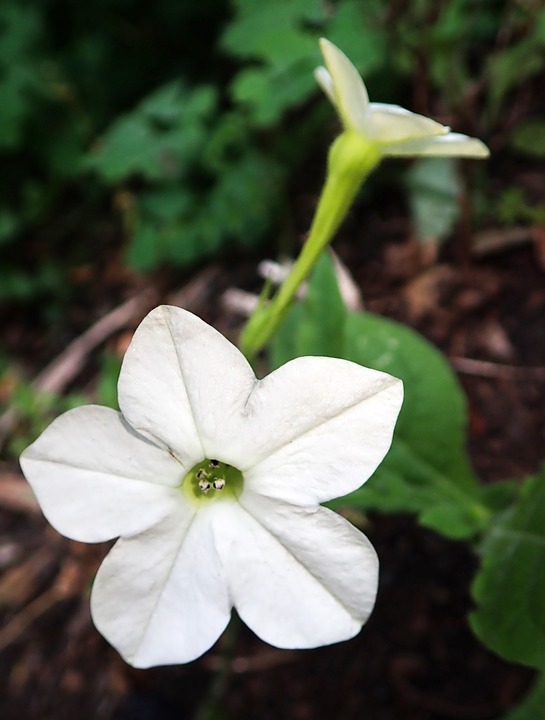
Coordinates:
x,y
204,485
212,474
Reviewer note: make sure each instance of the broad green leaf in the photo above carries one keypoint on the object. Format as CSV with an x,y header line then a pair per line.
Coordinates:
x,y
510,587
434,197
427,470
106,389
315,327
325,312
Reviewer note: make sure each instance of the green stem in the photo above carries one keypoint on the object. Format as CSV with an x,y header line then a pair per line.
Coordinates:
x,y
351,159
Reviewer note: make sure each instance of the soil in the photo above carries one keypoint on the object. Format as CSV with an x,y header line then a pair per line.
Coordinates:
x,y
416,659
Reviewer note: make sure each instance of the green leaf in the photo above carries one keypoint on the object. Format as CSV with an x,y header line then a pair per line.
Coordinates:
x,y
284,346
19,81
159,140
144,251
510,587
281,38
510,67
130,147
269,94
315,327
106,390
434,197
529,138
427,470
325,312
273,32
9,225
179,225
357,29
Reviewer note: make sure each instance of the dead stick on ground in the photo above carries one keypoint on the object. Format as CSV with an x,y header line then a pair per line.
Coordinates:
x,y
20,622
66,366
59,373
484,368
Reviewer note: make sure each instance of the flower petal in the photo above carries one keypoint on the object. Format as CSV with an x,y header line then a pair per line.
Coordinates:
x,y
299,577
392,123
453,144
161,597
96,479
321,428
350,91
183,384
325,81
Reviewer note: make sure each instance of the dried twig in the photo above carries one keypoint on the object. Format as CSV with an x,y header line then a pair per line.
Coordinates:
x,y
16,495
20,622
195,293
67,585
66,366
485,368
496,240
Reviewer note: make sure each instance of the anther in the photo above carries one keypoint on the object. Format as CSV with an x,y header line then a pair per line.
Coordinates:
x,y
219,484
204,485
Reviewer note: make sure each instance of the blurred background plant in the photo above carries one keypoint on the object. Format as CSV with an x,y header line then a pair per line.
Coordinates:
x,y
175,114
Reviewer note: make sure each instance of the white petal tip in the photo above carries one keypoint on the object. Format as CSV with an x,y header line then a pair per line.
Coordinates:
x,y
325,44
451,145
345,85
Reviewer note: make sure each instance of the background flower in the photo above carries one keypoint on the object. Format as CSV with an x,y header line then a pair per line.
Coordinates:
x,y
393,129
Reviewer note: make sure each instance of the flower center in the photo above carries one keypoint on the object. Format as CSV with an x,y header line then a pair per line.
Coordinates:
x,y
212,479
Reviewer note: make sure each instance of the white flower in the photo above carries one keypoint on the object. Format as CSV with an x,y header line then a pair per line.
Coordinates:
x,y
213,480
394,130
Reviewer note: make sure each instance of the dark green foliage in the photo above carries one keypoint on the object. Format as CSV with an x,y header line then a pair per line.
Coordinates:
x,y
184,107
67,71
510,588
205,184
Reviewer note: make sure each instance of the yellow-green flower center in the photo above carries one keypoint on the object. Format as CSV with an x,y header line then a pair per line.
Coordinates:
x,y
212,479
